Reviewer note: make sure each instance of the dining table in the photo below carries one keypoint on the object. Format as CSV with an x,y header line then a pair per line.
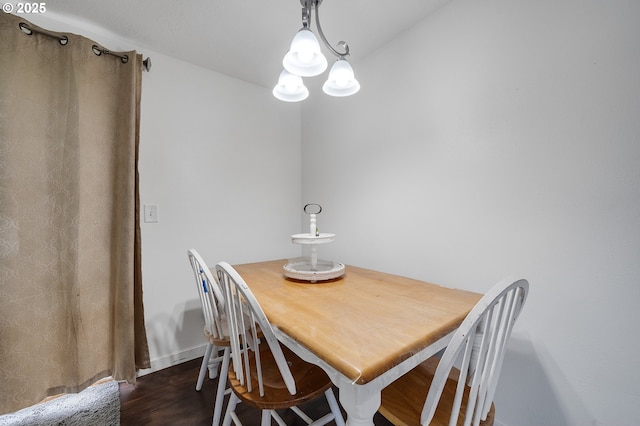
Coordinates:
x,y
364,329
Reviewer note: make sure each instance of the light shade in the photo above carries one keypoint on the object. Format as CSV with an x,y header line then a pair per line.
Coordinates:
x,y
341,81
304,57
290,88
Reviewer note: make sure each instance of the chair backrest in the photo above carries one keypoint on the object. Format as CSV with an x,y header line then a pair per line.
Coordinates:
x,y
242,308
482,339
210,293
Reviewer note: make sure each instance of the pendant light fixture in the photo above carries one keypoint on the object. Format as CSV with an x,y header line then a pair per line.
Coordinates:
x,y
305,59
290,88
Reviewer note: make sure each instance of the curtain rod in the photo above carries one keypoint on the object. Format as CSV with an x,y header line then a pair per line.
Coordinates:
x,y
63,40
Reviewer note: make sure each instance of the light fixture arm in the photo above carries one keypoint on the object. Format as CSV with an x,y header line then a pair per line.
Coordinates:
x,y
341,43
306,17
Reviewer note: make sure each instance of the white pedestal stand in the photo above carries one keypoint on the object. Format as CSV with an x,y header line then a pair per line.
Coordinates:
x,y
311,269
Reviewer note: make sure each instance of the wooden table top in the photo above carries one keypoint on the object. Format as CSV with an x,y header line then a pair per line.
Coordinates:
x,y
362,324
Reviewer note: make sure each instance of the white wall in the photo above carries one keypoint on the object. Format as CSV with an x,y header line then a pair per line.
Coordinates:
x,y
221,159
502,138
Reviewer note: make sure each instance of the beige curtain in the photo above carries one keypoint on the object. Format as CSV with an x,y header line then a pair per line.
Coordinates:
x,y
70,279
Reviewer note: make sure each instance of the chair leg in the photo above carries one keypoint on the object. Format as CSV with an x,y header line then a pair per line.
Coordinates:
x,y
266,418
335,408
214,363
203,366
222,384
231,406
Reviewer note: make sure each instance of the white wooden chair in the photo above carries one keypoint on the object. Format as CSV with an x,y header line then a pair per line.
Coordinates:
x,y
437,393
267,376
216,330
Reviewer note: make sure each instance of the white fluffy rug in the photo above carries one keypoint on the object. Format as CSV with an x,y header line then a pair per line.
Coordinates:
x,y
96,405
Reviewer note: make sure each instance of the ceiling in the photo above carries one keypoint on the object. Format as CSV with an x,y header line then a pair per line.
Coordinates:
x,y
244,39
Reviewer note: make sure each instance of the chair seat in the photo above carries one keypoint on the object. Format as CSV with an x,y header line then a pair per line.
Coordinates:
x,y
403,400
224,342
311,381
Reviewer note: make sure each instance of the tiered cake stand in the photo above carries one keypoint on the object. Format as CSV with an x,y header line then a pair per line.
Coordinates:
x,y
312,269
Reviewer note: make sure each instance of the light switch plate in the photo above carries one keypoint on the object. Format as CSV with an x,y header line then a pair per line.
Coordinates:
x,y
151,213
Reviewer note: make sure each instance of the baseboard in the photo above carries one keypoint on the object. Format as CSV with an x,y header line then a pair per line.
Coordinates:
x,y
173,359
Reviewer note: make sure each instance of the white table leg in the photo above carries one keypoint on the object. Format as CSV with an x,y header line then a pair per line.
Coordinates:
x,y
360,403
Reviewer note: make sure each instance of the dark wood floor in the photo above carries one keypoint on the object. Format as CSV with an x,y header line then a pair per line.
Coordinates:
x,y
169,397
